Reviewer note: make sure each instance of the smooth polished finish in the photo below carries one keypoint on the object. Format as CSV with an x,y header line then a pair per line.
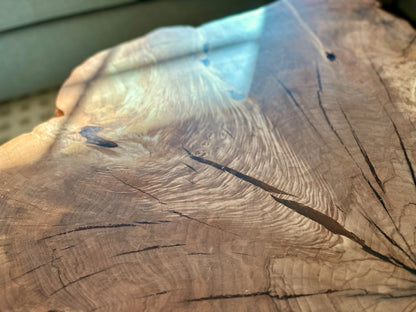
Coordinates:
x,y
264,162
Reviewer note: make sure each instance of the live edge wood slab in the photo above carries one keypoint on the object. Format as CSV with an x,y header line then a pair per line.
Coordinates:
x,y
264,162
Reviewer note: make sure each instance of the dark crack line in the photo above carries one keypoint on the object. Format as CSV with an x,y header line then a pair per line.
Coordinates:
x,y
349,153
406,156
328,291
380,199
318,94
147,249
331,126
378,196
364,153
229,133
36,268
391,240
69,247
151,222
199,254
382,82
91,227
189,166
64,286
318,78
269,281
276,308
58,270
201,222
242,253
237,174
137,188
319,217
290,94
409,164
265,293
336,228
384,296
155,294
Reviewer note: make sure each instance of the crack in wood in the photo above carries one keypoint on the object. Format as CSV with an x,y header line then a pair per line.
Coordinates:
x,y
338,136
382,295
36,268
378,196
262,293
58,269
380,199
391,240
156,294
64,286
319,217
269,281
266,293
336,228
189,166
406,156
202,222
349,153
318,94
152,222
136,188
90,227
237,174
68,247
364,153
290,94
229,133
147,249
199,254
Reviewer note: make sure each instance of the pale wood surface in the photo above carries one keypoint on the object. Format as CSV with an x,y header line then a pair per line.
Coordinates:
x,y
260,163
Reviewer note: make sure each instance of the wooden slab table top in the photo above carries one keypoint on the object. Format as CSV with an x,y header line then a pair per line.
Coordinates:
x,y
262,162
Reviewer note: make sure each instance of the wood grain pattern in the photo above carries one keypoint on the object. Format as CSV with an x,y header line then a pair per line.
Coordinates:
x,y
264,162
